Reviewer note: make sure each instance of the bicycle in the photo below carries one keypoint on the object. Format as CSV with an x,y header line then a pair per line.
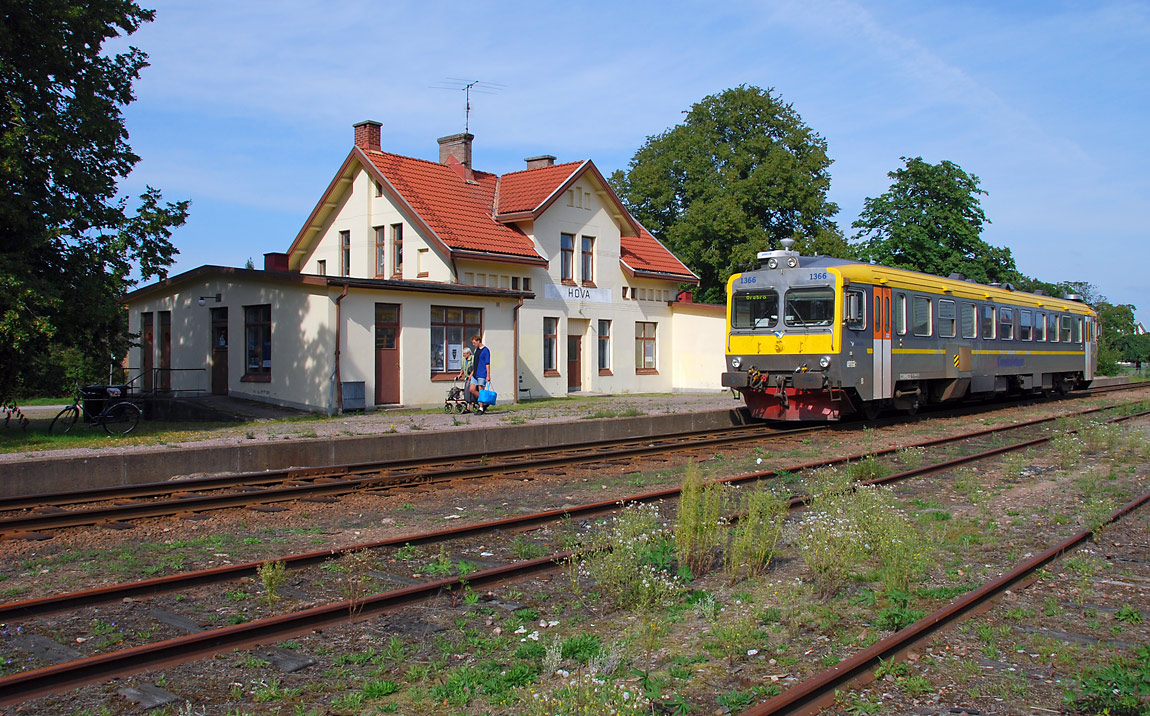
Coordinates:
x,y
117,416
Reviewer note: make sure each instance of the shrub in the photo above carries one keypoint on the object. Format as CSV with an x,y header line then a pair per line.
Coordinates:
x,y
585,694
620,560
756,534
1119,688
899,550
828,541
700,528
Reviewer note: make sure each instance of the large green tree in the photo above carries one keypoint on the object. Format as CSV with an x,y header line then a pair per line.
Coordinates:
x,y
931,220
69,245
738,175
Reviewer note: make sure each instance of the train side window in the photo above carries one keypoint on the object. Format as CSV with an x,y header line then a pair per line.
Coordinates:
x,y
856,310
988,321
900,314
1025,326
969,323
1076,326
1052,328
1006,323
947,318
1066,321
920,315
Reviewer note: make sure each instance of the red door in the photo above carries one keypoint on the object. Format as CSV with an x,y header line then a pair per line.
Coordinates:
x,y
574,363
386,354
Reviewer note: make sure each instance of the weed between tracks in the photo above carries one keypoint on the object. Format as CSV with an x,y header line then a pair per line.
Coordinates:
x,y
727,601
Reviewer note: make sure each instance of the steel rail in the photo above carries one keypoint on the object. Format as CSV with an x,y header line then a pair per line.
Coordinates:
x,y
335,480
158,585
26,685
818,691
272,477
347,483
405,465
38,682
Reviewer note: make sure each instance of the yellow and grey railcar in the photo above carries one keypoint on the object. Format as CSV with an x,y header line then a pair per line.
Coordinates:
x,y
816,338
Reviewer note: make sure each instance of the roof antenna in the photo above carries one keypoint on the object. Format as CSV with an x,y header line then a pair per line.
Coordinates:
x,y
469,86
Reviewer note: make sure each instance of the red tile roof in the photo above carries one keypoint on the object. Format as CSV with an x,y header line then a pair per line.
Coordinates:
x,y
458,211
463,215
645,254
526,190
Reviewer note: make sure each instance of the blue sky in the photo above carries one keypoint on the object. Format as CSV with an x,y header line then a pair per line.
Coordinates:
x,y
247,108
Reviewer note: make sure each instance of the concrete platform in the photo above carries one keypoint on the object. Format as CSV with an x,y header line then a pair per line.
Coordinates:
x,y
260,449
53,473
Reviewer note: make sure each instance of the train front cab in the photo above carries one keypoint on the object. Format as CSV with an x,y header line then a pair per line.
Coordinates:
x,y
784,342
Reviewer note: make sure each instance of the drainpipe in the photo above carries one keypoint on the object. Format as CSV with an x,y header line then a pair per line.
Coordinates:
x,y
338,331
515,331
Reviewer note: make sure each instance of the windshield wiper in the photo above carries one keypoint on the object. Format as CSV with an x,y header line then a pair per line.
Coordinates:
x,y
798,314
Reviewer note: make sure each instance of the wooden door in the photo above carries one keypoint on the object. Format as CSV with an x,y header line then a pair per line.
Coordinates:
x,y
219,351
574,363
386,353
166,351
147,351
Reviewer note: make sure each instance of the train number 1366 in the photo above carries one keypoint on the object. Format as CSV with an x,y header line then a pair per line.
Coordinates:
x,y
818,276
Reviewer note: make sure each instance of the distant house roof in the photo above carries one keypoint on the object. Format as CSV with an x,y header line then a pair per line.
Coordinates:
x,y
473,214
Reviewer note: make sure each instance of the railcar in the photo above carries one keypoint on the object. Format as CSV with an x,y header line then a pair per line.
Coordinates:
x,y
817,338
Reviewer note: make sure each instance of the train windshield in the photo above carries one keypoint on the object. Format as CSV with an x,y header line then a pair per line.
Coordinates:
x,y
756,309
810,307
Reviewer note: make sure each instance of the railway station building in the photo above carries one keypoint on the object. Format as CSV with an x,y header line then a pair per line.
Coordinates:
x,y
402,260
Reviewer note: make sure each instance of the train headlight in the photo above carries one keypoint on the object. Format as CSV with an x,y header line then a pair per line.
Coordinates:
x,y
825,362
772,263
792,262
736,362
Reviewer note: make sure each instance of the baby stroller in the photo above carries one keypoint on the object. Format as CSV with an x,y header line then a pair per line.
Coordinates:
x,y
457,400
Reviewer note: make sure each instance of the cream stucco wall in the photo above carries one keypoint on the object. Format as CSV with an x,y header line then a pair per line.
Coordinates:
x,y
302,338
359,207
699,335
416,385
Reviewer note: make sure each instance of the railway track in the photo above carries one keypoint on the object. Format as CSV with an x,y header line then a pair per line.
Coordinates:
x,y
820,691
29,684
33,516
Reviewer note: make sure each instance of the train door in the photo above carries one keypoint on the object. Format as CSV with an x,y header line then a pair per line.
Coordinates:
x,y
883,385
1090,341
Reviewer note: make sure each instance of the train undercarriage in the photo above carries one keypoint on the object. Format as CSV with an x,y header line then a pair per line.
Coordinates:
x,y
827,403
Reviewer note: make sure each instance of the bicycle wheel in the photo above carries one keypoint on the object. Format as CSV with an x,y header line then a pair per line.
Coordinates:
x,y
120,419
64,420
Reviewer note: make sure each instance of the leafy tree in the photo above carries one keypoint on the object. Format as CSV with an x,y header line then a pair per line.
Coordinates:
x,y
1118,338
738,175
69,247
931,220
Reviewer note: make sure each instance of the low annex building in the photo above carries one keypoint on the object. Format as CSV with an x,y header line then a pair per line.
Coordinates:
x,y
402,260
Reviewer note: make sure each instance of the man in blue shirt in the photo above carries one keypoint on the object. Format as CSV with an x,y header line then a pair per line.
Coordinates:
x,y
482,369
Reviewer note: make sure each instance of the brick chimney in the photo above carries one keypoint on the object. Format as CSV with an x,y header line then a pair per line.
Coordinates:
x,y
543,160
367,135
458,146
